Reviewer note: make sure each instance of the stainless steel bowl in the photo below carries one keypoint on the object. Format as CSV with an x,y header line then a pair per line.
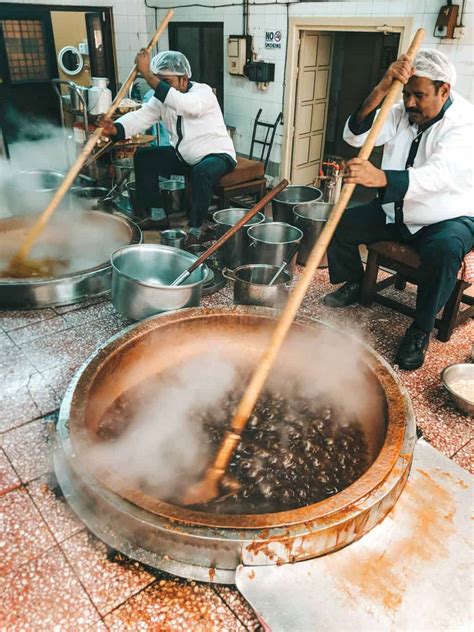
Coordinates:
x,y
142,276
284,203
252,285
31,191
449,376
90,197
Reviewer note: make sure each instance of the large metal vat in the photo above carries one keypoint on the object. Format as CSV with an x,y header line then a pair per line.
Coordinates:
x,y
81,242
207,546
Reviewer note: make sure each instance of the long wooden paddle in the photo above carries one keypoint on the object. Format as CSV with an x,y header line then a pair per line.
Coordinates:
x,y
19,260
208,488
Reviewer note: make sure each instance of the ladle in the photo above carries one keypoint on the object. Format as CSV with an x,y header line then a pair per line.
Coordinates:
x,y
19,263
234,229
289,257
209,487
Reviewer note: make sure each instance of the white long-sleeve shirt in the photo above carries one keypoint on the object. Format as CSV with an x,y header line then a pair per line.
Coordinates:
x,y
193,119
440,183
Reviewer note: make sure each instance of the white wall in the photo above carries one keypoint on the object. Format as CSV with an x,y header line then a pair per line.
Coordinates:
x,y
134,25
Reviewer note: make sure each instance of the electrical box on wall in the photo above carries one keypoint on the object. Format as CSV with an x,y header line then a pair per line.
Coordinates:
x,y
239,52
446,21
260,71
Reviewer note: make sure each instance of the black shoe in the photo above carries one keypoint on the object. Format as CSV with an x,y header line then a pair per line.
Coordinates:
x,y
347,294
412,349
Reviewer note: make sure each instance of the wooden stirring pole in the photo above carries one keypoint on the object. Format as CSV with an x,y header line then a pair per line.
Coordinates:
x,y
31,237
208,488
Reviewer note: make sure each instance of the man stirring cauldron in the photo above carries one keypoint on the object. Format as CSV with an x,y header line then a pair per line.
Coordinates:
x,y
200,144
425,191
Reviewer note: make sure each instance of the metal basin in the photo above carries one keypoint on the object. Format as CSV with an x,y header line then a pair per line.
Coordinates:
x,y
284,202
209,546
141,279
173,196
31,191
234,252
451,377
90,197
311,219
82,243
251,285
271,243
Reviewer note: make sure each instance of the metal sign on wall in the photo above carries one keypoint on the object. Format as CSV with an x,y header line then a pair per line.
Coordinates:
x,y
273,39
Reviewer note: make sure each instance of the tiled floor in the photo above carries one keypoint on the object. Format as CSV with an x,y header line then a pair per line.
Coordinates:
x,y
57,576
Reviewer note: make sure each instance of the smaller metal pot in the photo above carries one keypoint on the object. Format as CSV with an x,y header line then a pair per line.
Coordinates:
x,y
449,376
141,279
91,197
311,219
172,196
31,191
251,285
173,238
75,99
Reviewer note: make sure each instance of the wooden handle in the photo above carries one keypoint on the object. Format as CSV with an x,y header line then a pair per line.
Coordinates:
x,y
259,377
89,146
245,219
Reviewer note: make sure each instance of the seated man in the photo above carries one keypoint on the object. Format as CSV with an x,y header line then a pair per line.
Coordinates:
x,y
424,188
200,144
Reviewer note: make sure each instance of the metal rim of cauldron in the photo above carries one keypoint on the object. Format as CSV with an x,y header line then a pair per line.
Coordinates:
x,y
390,467
136,238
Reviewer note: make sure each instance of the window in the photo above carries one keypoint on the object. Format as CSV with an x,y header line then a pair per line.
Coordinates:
x,y
25,47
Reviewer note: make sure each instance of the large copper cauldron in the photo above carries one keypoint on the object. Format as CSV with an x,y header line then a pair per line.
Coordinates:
x,y
207,546
82,244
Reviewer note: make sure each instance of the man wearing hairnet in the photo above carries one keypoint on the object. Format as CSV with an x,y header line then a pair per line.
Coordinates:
x,y
424,190
200,144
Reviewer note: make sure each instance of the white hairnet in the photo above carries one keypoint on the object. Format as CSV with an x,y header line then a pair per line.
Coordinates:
x,y
170,62
434,65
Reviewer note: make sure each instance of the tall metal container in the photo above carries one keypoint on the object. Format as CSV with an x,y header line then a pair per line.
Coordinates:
x,y
233,253
310,218
271,243
284,202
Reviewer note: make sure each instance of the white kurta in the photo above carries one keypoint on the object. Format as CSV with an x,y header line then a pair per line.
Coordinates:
x,y
441,179
203,129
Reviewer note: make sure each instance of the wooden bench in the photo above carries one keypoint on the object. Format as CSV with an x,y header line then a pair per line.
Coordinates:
x,y
403,260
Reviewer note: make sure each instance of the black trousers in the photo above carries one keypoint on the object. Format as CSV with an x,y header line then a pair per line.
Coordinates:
x,y
441,247
152,162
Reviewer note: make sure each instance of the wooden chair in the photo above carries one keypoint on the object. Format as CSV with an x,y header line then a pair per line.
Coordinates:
x,y
404,261
248,178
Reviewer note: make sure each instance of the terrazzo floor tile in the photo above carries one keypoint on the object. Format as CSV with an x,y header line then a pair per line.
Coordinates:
x,y
55,511
59,377
65,309
465,457
28,449
10,320
45,595
239,606
108,583
24,534
63,348
17,408
175,606
6,343
86,314
8,478
442,425
42,328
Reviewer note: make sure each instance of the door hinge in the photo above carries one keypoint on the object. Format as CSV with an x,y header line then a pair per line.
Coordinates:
x,y
386,28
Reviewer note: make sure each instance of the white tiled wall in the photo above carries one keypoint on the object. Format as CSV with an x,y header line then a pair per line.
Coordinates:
x,y
134,24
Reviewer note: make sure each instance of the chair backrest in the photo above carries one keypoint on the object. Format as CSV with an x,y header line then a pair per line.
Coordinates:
x,y
266,141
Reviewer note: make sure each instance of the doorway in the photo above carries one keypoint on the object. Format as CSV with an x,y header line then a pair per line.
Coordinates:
x,y
203,45
336,71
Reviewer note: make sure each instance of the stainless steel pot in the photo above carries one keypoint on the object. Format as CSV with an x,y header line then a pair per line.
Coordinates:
x,y
311,219
172,196
141,279
82,241
174,238
284,202
90,197
31,191
233,253
123,166
251,285
271,243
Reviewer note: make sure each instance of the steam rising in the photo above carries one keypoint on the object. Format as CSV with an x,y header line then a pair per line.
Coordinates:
x,y
164,447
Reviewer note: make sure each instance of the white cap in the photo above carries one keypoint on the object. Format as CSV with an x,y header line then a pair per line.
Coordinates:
x,y
435,65
170,62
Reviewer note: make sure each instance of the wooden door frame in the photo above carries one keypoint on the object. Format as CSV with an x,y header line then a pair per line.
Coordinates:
x,y
296,25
